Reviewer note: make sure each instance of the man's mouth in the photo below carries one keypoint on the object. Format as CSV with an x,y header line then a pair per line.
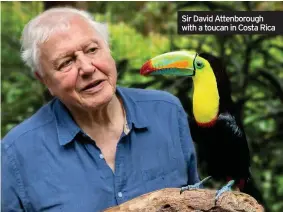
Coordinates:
x,y
92,85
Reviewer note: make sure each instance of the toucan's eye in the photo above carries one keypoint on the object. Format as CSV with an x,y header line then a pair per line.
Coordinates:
x,y
199,64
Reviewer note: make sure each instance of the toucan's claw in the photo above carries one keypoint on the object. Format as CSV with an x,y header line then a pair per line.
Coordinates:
x,y
189,187
195,186
225,188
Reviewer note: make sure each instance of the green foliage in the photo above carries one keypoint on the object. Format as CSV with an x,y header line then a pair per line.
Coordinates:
x,y
21,94
141,30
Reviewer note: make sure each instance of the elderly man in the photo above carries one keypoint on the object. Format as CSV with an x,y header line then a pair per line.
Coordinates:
x,y
94,145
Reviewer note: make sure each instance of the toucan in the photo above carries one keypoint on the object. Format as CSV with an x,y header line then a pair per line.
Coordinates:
x,y
215,126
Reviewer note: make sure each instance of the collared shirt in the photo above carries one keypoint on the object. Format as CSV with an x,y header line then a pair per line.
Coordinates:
x,y
50,164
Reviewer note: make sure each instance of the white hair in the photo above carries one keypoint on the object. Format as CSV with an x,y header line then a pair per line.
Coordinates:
x,y
39,29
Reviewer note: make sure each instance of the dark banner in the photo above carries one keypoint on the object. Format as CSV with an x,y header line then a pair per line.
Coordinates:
x,y
230,22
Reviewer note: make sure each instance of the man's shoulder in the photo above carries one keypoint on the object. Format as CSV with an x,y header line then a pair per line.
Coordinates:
x,y
31,126
150,95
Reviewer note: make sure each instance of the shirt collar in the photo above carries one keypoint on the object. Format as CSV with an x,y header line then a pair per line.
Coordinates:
x,y
135,116
67,128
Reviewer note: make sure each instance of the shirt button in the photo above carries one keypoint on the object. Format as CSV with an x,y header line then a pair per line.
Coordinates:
x,y
120,194
101,156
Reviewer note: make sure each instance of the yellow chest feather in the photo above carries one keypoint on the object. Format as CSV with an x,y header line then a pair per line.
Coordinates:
x,y
205,97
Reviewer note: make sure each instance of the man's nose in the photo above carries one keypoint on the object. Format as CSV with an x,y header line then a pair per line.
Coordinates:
x,y
85,65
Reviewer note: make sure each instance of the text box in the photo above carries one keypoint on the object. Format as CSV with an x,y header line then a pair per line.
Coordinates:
x,y
230,22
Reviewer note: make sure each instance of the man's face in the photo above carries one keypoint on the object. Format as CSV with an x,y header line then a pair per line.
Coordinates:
x,y
78,67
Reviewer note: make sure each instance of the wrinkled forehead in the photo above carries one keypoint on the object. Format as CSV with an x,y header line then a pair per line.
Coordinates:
x,y
66,25
78,35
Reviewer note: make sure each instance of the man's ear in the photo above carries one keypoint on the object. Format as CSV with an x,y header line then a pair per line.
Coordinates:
x,y
39,77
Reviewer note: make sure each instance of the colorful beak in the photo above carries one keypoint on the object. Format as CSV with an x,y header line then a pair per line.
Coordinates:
x,y
178,63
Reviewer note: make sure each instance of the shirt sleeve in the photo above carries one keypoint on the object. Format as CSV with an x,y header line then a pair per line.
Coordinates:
x,y
10,201
188,147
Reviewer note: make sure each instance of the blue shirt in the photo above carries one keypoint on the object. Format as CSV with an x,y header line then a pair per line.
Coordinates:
x,y
50,164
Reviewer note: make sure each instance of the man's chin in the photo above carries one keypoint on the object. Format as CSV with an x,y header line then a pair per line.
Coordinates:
x,y
97,101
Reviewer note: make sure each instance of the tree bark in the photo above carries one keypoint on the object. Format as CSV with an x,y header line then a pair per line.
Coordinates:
x,y
170,200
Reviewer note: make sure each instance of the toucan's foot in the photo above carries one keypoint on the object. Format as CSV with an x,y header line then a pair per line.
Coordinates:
x,y
225,188
195,186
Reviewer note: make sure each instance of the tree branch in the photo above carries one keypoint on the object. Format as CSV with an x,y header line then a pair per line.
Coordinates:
x,y
169,199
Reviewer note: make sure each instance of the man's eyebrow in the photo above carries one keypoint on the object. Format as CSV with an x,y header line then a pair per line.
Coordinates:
x,y
71,52
60,56
92,41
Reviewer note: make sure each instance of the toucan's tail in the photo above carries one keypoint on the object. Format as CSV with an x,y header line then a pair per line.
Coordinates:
x,y
251,189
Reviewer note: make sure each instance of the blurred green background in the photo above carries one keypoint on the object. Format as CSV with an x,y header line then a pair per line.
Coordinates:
x,y
141,30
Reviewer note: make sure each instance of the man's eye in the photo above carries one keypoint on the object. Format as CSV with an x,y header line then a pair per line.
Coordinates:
x,y
65,63
91,50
